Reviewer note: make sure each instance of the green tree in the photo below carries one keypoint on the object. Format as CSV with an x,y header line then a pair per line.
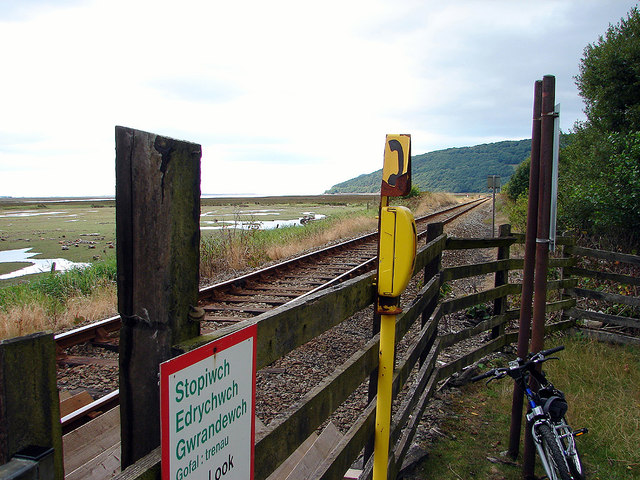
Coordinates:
x,y
609,78
599,171
600,184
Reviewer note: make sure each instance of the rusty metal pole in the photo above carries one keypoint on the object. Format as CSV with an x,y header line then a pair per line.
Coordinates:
x,y
529,264
542,240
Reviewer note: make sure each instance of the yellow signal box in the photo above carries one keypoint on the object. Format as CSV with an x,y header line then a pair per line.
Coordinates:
x,y
397,254
396,261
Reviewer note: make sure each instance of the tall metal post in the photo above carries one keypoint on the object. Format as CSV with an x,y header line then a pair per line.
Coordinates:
x,y
493,182
529,265
386,356
542,239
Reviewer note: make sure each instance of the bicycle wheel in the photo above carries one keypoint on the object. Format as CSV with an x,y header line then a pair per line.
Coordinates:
x,y
575,465
570,449
553,454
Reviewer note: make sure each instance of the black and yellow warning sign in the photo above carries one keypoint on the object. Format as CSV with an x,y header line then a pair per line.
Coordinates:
x,y
396,173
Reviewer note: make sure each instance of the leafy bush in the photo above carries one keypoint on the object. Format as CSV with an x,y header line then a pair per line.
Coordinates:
x,y
600,185
518,184
517,212
415,192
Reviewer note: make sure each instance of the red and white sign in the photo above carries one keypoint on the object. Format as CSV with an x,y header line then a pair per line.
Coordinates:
x,y
207,410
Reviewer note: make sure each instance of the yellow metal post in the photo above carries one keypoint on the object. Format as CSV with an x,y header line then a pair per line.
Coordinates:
x,y
396,257
383,407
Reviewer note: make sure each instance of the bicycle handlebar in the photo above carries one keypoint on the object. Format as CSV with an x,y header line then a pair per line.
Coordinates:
x,y
488,374
551,350
538,357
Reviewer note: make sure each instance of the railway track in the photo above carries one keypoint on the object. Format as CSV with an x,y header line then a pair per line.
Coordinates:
x,y
252,294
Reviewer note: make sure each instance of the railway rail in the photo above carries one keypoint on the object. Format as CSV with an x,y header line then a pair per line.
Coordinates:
x,y
253,294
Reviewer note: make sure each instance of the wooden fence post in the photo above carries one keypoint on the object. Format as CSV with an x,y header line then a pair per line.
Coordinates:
x,y
502,278
564,295
434,230
29,402
158,239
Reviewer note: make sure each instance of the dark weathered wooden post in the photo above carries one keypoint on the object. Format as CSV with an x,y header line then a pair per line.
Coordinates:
x,y
29,403
565,274
431,269
158,237
502,278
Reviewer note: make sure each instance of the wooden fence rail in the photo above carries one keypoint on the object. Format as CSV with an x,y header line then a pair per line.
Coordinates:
x,y
603,297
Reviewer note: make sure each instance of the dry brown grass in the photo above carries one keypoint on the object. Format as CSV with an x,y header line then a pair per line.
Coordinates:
x,y
30,318
429,202
348,227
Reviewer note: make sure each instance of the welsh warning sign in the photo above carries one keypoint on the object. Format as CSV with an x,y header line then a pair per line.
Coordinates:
x,y
207,410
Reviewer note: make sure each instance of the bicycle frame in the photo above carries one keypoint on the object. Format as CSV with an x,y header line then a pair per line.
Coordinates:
x,y
536,416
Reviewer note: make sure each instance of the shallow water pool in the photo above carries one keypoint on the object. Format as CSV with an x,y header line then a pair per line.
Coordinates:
x,y
36,265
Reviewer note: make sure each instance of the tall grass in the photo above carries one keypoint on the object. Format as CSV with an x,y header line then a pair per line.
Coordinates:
x,y
602,383
231,250
57,300
429,202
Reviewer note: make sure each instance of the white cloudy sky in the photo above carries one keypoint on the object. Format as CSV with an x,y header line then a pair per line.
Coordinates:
x,y
285,96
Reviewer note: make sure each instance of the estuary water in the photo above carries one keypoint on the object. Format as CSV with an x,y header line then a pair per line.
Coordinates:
x,y
253,223
36,265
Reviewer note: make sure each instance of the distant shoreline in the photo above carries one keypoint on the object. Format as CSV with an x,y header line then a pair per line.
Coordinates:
x,y
207,198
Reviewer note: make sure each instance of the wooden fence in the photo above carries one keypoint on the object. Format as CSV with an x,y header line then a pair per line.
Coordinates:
x,y
597,259
282,330
417,372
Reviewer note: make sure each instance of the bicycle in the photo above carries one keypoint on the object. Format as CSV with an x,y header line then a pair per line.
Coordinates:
x,y
553,437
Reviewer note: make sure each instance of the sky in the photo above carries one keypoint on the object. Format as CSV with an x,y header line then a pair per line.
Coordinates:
x,y
284,96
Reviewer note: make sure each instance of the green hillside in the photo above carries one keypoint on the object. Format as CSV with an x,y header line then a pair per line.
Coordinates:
x,y
452,170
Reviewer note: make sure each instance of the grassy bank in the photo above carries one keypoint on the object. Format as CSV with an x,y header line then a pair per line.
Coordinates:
x,y
601,383
54,301
232,250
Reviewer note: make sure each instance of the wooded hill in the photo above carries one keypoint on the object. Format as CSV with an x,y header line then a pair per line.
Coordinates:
x,y
456,170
